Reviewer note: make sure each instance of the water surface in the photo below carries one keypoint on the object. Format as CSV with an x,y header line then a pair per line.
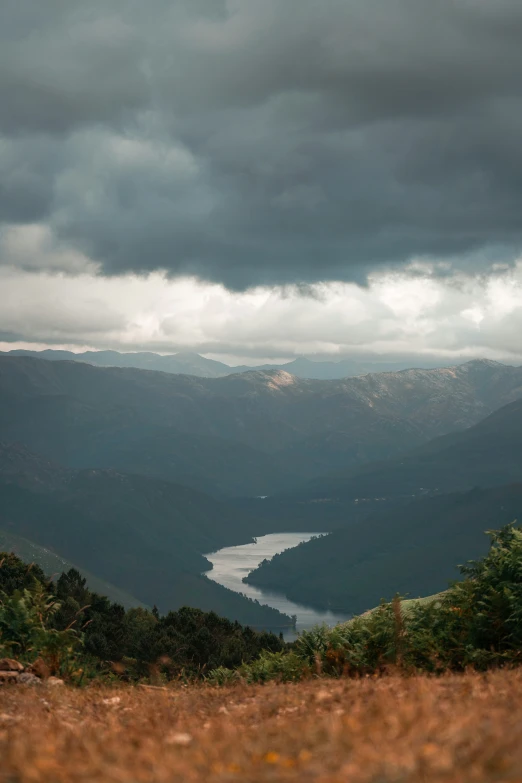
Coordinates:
x,y
232,563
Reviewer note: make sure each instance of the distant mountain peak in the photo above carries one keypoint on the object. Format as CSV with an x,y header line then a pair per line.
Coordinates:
x,y
184,355
303,360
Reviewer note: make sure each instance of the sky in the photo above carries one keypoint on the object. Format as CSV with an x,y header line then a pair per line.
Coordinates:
x,y
260,179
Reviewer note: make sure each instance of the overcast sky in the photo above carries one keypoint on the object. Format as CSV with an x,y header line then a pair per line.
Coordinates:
x,y
262,178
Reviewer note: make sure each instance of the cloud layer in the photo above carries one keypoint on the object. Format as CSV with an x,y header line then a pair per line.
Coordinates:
x,y
397,313
254,143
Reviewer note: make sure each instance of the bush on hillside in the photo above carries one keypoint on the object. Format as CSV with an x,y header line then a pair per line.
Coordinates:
x,y
27,631
17,575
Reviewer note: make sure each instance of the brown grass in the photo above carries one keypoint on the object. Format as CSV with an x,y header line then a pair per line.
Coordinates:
x,y
460,728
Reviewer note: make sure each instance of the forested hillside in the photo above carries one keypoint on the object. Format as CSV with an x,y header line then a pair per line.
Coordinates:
x,y
145,536
483,455
401,524
411,549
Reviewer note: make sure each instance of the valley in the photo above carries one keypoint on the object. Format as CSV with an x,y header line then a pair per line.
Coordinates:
x,y
413,549
133,475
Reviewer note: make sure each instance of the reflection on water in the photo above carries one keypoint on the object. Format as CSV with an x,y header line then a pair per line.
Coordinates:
x,y
232,563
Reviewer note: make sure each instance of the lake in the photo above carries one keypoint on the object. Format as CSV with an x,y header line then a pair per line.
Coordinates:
x,y
232,563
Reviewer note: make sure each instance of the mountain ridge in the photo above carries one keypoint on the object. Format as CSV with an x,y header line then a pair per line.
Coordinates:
x,y
485,454
192,363
246,434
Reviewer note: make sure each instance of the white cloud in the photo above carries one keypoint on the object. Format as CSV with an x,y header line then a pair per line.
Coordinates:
x,y
410,312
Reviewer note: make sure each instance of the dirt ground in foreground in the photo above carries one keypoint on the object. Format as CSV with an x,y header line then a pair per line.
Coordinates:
x,y
460,728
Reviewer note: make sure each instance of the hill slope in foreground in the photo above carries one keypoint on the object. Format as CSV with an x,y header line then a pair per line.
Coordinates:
x,y
458,728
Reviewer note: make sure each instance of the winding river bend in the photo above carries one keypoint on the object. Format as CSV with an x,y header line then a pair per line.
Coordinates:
x,y
232,563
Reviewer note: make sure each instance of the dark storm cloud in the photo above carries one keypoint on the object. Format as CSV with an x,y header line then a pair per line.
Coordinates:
x,y
260,141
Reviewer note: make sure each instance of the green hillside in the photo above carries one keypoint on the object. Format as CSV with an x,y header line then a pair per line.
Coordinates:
x,y
144,536
486,454
53,564
413,550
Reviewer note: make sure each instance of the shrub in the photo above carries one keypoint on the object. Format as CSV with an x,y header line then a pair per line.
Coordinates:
x,y
223,676
26,630
281,666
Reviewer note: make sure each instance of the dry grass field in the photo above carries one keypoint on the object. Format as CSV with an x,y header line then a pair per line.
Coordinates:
x,y
418,730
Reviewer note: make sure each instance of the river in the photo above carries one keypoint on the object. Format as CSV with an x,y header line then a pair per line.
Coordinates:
x,y
232,563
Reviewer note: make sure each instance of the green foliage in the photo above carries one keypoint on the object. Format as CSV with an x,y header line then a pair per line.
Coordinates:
x,y
16,575
365,644
81,634
223,676
27,632
477,623
280,666
192,642
495,592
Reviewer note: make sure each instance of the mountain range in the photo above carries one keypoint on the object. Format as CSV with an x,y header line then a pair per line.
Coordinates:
x,y
191,363
255,433
484,455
